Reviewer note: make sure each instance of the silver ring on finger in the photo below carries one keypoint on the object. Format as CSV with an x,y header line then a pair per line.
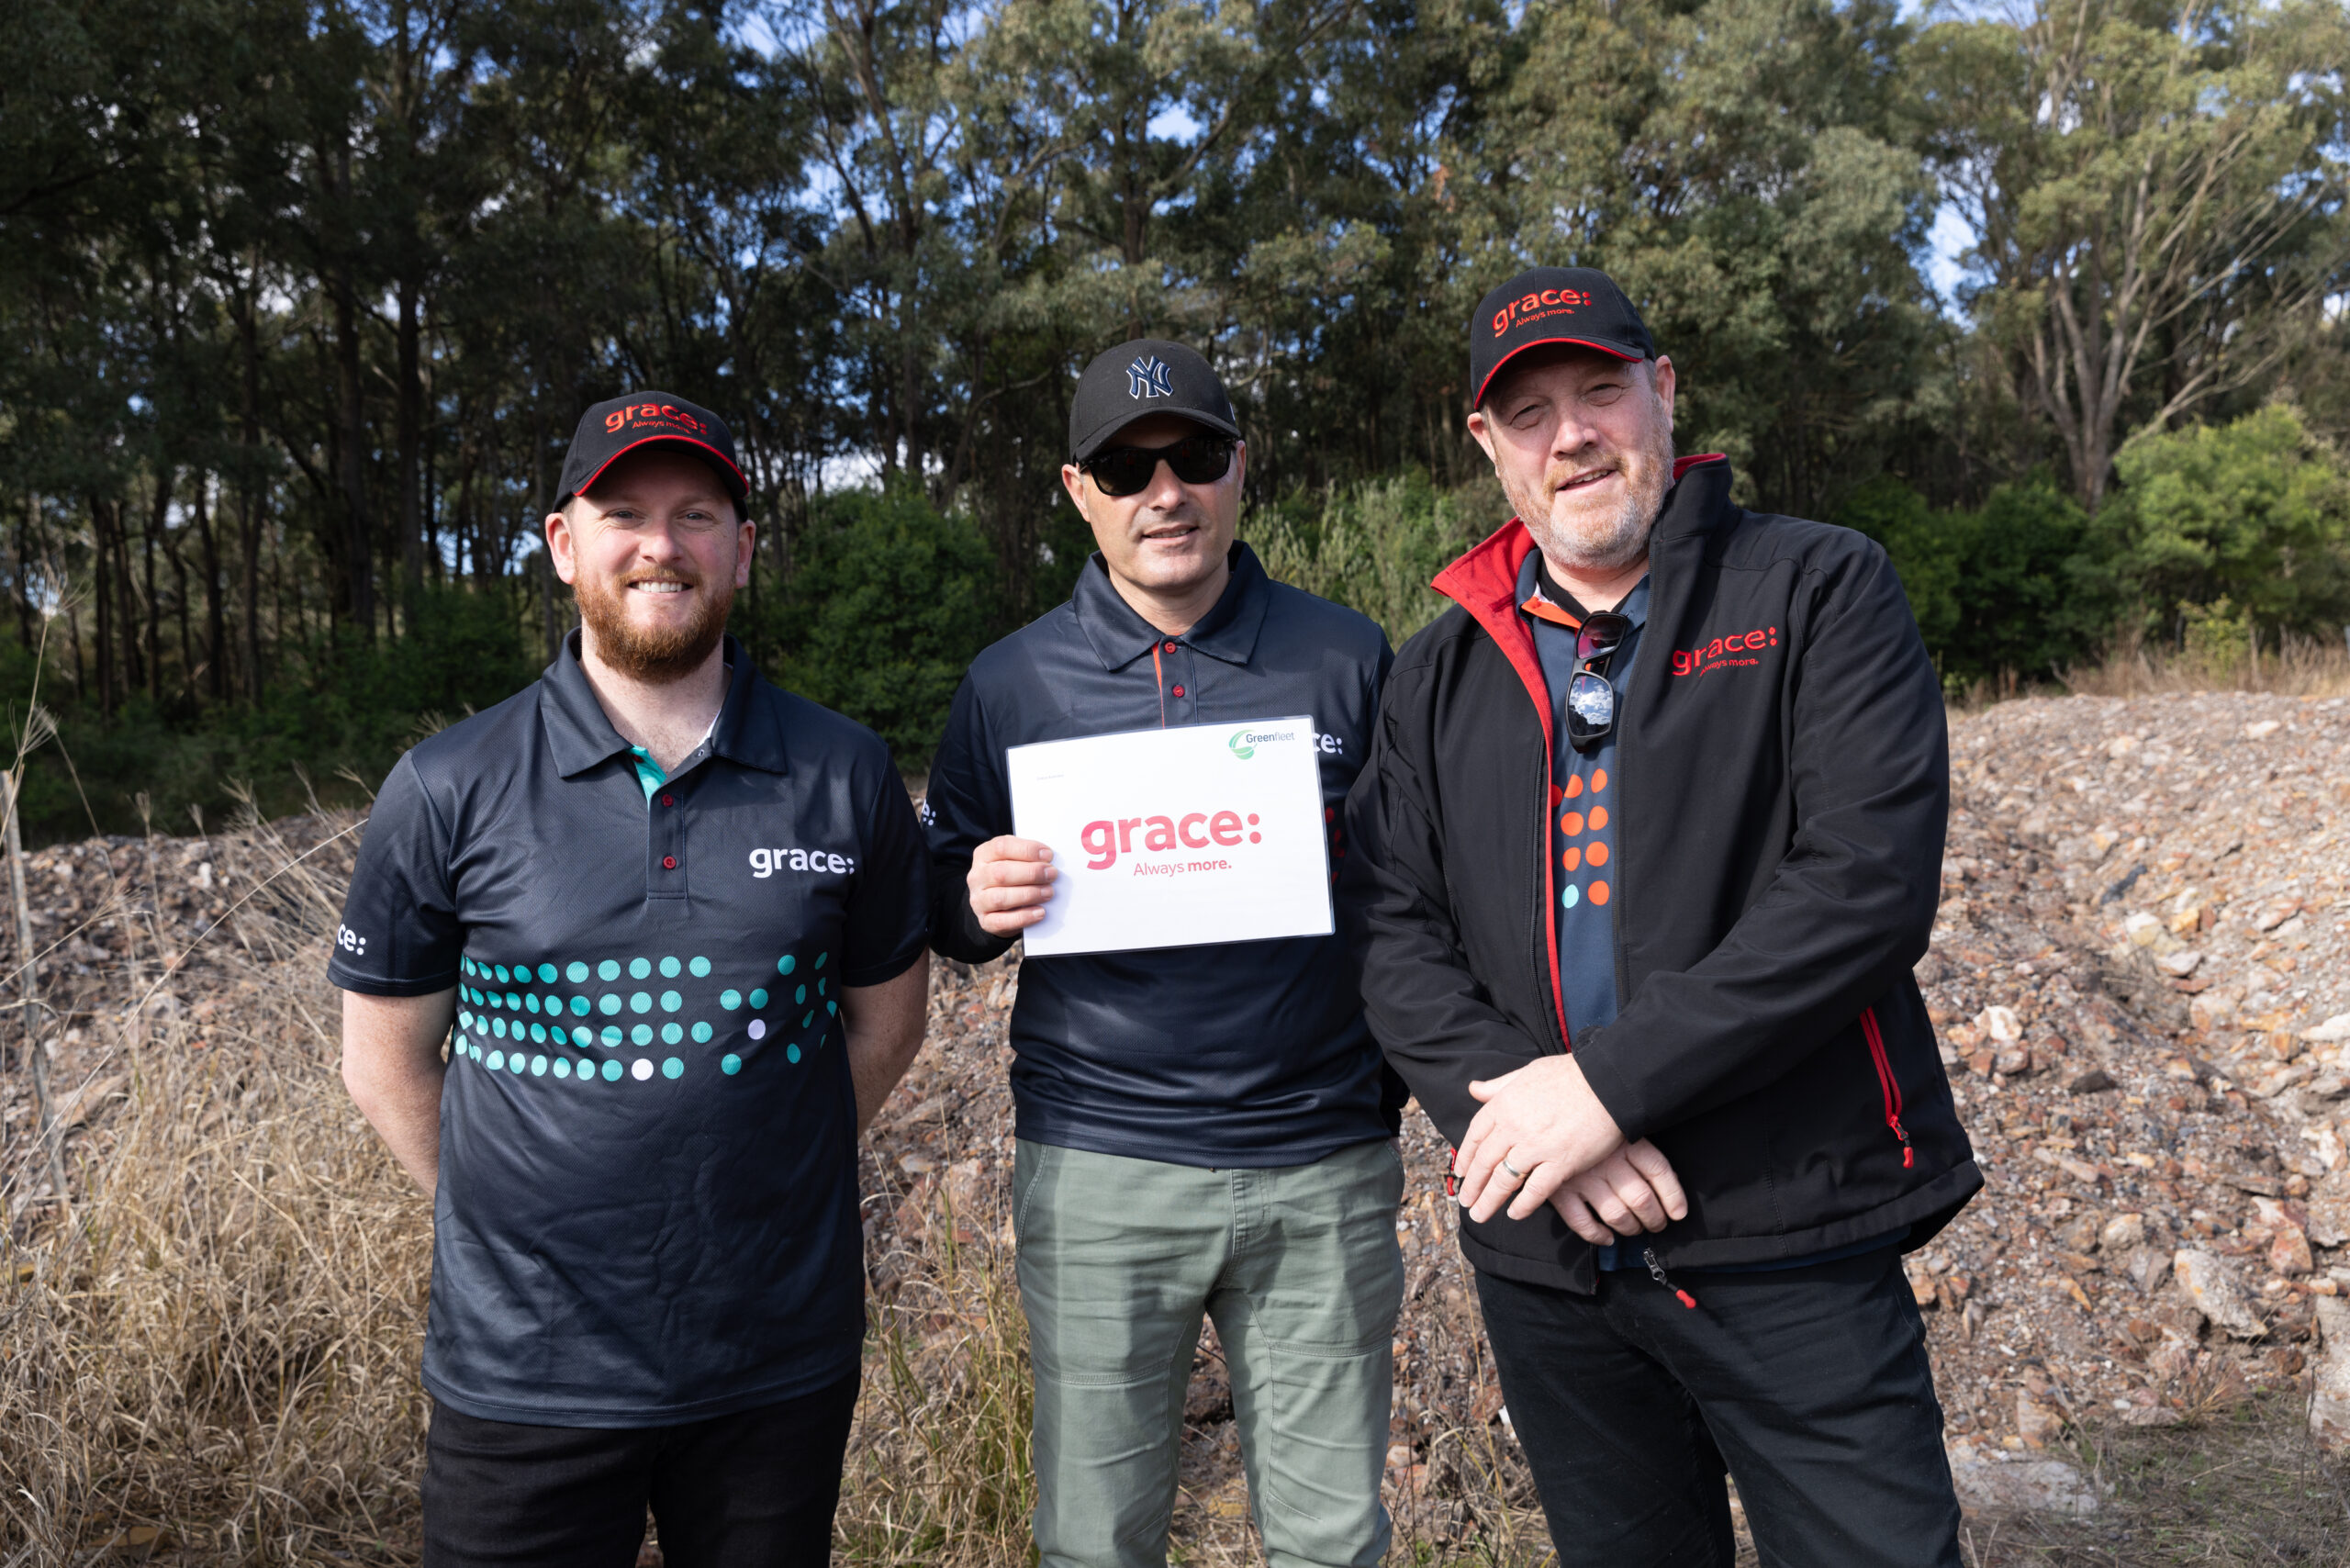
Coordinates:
x,y
1512,1169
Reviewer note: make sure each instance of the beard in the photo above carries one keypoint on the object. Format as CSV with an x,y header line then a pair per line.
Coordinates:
x,y
653,655
1597,543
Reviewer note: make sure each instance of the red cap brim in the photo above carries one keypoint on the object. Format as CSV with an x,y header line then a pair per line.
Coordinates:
x,y
726,464
1479,401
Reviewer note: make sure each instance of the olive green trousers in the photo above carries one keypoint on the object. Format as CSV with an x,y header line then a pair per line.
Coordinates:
x,y
1119,1261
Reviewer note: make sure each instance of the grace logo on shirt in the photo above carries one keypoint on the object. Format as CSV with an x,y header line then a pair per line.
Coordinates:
x,y
1724,653
768,862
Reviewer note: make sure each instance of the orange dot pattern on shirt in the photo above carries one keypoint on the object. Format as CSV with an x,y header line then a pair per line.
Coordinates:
x,y
1572,824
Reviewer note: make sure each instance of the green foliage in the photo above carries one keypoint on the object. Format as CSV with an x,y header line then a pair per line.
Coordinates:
x,y
2002,591
2254,514
1373,547
890,602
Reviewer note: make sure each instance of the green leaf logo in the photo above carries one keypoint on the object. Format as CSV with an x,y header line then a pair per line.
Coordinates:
x,y
1240,748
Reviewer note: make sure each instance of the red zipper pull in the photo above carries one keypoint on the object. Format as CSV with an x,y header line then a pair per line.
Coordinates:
x,y
1451,1182
1656,1272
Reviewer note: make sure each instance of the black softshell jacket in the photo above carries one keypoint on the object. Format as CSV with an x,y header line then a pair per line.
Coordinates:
x,y
1783,785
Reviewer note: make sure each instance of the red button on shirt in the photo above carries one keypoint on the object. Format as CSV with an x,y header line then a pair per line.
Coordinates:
x,y
1171,647
1179,691
668,862
669,800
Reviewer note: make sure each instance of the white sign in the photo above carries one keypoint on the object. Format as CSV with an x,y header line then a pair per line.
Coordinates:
x,y
1171,838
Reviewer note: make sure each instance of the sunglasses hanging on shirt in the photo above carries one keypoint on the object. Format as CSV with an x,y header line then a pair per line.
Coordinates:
x,y
1591,696
1125,470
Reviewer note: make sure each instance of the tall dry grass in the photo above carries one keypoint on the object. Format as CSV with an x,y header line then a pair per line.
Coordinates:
x,y
2300,667
218,1351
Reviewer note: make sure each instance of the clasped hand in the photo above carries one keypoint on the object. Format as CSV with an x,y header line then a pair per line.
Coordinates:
x,y
1543,1136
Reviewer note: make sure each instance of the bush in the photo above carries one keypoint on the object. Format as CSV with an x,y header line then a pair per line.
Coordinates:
x,y
2007,591
1373,547
2254,514
889,605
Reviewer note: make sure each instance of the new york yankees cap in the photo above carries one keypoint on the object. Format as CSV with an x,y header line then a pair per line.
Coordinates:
x,y
1137,380
1552,305
619,425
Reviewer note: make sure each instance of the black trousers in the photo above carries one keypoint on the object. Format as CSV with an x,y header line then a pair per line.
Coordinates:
x,y
755,1489
1811,1385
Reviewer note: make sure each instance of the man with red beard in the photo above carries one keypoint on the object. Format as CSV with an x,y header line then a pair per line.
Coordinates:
x,y
675,917
1648,841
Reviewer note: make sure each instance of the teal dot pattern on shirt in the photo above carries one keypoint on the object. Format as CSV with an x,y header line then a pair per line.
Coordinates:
x,y
743,1040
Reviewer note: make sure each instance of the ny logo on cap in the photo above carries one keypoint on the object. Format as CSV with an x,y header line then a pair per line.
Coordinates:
x,y
1151,378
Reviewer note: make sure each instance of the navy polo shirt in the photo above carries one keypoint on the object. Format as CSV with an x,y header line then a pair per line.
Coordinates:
x,y
647,1212
1240,1054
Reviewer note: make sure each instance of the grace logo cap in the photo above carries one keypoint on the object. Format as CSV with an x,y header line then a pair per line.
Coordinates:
x,y
621,425
1552,305
1137,380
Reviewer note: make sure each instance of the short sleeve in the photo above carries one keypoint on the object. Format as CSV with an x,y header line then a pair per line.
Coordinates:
x,y
889,909
400,935
968,803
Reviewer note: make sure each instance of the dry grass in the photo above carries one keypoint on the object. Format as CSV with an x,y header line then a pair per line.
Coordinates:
x,y
2243,1484
2301,667
218,1349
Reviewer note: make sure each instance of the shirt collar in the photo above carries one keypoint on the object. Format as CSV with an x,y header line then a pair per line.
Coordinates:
x,y
580,736
1227,631
1538,605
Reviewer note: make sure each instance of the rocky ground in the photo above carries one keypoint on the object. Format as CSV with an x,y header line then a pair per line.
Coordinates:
x,y
2139,978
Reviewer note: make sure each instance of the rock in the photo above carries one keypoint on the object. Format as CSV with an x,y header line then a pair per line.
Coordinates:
x,y
2014,1062
2142,929
2123,1232
2210,1283
2000,1024
2037,1422
2331,1032
2288,1251
2328,1210
2262,728
2275,912
2095,1081
1921,1281
2330,1409
2122,746
2325,1145
2079,1234
2148,1266
2179,965
2040,1485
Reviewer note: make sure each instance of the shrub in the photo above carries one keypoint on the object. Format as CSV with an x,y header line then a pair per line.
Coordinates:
x,y
888,606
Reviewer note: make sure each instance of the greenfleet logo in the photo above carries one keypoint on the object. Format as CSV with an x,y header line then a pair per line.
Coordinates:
x,y
1244,743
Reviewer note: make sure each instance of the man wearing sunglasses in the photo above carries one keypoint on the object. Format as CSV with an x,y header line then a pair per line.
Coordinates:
x,y
1706,744
1201,1131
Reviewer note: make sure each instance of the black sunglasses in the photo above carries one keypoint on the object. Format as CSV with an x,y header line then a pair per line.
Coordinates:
x,y
1124,470
1591,696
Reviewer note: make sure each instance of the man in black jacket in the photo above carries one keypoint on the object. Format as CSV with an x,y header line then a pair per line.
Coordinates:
x,y
1618,887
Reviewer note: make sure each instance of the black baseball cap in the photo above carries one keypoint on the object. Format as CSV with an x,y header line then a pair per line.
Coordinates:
x,y
619,425
1137,380
1552,305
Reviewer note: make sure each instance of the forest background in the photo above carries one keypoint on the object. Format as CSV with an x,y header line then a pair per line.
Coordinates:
x,y
300,301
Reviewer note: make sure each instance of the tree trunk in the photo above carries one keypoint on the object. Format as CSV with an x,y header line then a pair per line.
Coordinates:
x,y
215,648
101,562
411,421
25,571
158,519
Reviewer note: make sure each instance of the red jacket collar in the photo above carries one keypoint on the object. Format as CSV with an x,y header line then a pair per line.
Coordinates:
x,y
1484,583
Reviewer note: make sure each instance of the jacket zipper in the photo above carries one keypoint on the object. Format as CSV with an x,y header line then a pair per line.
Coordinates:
x,y
1886,1083
1656,1272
